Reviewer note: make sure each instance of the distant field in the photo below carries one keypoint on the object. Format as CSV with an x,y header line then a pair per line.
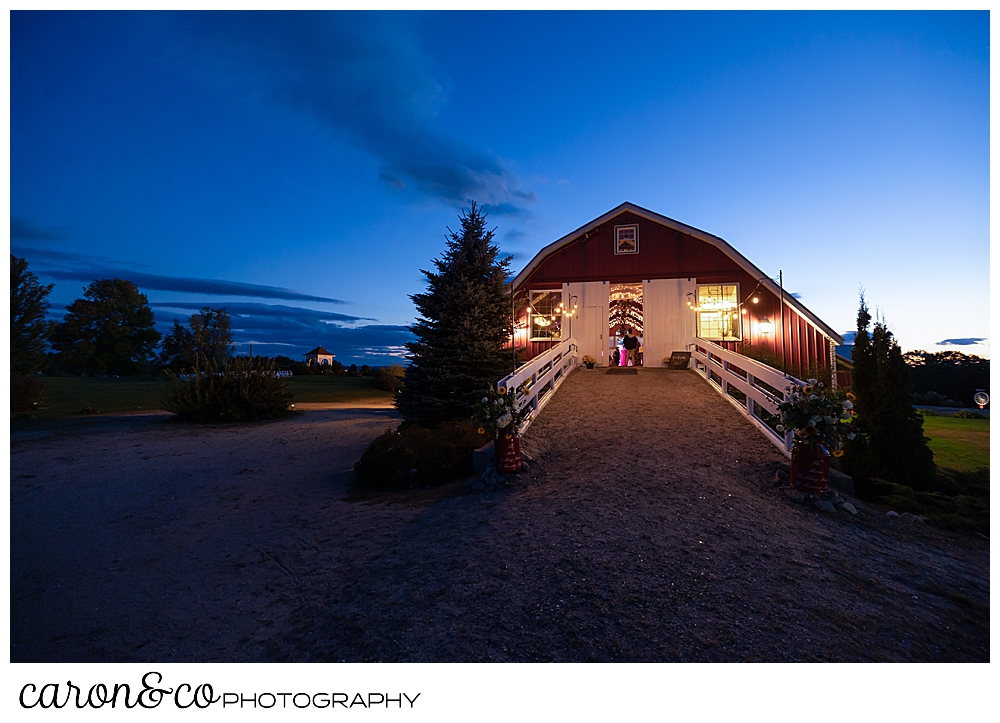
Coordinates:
x,y
69,396
336,389
959,444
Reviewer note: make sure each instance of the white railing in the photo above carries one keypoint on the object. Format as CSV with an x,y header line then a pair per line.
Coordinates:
x,y
755,389
543,375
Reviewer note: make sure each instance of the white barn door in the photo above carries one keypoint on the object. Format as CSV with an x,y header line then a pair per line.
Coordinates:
x,y
668,322
590,324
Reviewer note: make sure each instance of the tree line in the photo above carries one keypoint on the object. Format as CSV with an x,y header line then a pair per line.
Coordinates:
x,y
108,332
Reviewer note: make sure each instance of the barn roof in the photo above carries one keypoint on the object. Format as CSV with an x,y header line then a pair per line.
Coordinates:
x,y
318,351
719,243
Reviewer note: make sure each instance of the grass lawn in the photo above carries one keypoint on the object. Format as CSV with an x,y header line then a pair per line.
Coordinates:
x,y
69,396
328,388
962,445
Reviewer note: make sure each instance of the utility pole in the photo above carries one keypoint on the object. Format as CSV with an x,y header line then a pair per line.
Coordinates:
x,y
781,287
513,349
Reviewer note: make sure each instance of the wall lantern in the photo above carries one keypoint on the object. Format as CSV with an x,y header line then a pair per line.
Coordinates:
x,y
766,327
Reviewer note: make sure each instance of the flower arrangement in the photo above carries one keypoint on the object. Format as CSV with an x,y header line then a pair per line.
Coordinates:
x,y
588,359
817,415
499,413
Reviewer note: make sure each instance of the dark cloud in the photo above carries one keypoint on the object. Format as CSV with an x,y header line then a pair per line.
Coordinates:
x,y
964,341
794,294
26,230
66,260
157,282
292,331
515,234
394,182
364,76
251,309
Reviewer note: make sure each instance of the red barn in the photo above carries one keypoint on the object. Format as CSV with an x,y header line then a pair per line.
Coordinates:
x,y
673,285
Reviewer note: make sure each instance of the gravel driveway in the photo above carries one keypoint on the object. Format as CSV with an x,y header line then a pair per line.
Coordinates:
x,y
648,528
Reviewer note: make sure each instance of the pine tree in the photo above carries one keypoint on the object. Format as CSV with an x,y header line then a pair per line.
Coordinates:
x,y
891,445
28,329
464,322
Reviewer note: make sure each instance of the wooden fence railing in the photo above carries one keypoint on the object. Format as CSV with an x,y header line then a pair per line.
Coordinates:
x,y
544,374
755,389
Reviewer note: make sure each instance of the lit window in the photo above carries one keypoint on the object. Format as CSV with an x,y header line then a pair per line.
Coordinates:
x,y
719,312
545,315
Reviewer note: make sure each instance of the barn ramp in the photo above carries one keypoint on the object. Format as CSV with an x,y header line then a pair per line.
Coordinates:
x,y
754,389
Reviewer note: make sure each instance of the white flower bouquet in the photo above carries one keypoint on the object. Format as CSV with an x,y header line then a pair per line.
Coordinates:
x,y
817,415
500,412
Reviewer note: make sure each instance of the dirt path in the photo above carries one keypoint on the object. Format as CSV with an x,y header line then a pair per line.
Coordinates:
x,y
648,528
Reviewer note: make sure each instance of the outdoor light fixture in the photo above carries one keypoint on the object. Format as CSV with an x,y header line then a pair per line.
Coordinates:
x,y
765,326
756,300
565,310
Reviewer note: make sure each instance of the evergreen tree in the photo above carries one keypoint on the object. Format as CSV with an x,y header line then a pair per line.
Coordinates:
x,y
464,323
109,331
28,329
891,444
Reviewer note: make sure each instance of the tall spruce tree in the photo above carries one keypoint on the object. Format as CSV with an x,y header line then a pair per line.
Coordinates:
x,y
464,322
28,329
891,445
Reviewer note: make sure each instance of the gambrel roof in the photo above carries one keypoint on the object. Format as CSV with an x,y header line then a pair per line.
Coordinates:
x,y
708,238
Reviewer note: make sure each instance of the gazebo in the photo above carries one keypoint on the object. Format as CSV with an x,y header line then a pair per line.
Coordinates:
x,y
319,357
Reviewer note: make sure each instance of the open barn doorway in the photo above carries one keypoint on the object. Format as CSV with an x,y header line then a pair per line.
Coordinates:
x,y
625,320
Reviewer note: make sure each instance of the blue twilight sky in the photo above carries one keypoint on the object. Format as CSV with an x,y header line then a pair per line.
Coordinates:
x,y
301,168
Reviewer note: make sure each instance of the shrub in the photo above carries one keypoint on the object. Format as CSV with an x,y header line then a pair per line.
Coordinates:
x,y
437,455
966,414
246,389
389,379
927,413
961,503
26,393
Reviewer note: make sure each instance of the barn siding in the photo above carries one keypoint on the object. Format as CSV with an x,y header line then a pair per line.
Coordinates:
x,y
666,253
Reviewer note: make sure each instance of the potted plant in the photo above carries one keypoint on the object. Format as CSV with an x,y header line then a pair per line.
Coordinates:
x,y
500,414
588,361
821,420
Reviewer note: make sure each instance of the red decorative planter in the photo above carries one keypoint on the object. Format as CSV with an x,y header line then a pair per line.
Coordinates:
x,y
810,468
508,454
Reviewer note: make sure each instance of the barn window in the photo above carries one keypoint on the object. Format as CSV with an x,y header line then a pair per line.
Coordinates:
x,y
545,315
719,312
627,239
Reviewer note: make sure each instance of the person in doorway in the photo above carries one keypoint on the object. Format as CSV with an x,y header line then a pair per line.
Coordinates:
x,y
631,344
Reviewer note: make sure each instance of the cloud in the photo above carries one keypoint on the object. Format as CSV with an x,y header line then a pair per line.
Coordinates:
x,y
158,282
292,330
310,318
64,259
26,230
364,76
965,341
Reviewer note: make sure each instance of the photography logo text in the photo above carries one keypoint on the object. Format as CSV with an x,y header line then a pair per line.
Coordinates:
x,y
152,692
